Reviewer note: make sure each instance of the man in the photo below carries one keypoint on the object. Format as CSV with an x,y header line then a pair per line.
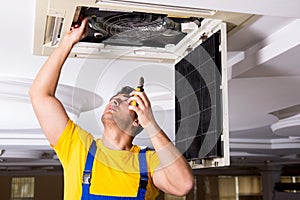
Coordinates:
x,y
111,167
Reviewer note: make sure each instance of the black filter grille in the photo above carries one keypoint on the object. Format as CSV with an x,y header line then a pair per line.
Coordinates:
x,y
198,101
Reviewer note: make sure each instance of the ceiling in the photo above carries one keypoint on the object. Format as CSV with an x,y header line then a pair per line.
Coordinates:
x,y
264,77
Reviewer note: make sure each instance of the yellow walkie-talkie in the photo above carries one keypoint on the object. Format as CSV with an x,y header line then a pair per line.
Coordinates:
x,y
139,88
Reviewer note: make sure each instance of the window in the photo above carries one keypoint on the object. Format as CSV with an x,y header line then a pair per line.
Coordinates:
x,y
288,184
22,188
240,187
214,187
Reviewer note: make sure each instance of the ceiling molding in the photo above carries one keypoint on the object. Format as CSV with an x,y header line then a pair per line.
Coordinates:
x,y
25,144
241,143
32,133
75,100
287,127
29,139
287,112
28,154
271,47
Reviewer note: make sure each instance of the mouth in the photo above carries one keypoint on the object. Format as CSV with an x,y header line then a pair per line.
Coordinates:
x,y
111,108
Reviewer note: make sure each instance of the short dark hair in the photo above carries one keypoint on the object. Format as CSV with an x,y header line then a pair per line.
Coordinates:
x,y
125,90
128,90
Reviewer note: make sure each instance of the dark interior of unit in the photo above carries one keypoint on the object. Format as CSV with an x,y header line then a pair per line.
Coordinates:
x,y
198,102
133,28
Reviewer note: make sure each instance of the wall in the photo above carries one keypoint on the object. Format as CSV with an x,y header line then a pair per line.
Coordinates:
x,y
5,183
49,187
46,187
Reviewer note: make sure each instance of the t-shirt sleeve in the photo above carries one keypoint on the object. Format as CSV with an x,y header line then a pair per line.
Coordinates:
x,y
153,161
70,141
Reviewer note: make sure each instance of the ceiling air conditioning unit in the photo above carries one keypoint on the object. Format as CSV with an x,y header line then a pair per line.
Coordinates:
x,y
133,30
191,38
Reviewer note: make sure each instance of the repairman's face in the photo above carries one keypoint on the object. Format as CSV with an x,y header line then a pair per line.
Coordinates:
x,y
117,112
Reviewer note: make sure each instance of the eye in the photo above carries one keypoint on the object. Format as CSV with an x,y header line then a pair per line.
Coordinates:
x,y
115,100
124,100
118,100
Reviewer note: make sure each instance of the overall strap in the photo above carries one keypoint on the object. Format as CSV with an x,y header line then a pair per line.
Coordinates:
x,y
143,174
86,177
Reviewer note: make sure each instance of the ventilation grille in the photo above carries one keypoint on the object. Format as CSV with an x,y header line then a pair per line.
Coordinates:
x,y
133,28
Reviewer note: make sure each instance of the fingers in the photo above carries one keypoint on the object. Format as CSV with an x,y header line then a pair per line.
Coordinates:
x,y
134,108
142,101
138,102
78,31
143,110
82,26
140,97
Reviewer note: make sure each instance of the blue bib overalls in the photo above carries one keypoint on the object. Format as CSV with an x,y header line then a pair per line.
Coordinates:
x,y
87,177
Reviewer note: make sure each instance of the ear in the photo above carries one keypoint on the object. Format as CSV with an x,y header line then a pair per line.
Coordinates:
x,y
136,122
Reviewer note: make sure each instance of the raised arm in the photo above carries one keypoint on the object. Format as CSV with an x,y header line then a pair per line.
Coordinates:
x,y
48,109
174,175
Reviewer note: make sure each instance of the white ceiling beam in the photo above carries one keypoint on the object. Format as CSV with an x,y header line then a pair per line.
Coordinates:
x,y
276,44
233,57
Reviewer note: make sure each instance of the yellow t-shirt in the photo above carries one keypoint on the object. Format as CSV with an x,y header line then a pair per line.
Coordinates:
x,y
114,173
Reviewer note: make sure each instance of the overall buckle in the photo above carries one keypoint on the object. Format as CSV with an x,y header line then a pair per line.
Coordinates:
x,y
86,178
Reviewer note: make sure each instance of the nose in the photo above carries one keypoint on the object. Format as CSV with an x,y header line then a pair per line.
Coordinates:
x,y
114,102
